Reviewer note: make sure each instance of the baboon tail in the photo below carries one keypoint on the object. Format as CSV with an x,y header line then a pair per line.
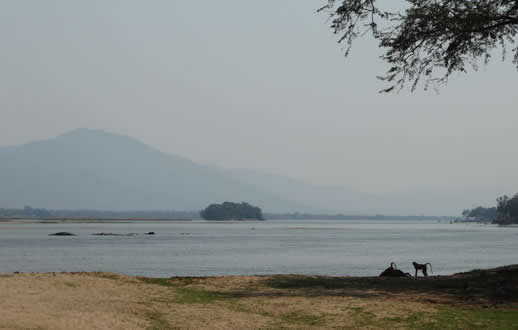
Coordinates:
x,y
393,265
430,267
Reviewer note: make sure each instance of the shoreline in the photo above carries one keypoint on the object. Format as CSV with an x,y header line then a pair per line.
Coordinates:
x,y
87,220
475,299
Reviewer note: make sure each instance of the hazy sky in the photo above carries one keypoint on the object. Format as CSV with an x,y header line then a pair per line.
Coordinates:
x,y
252,84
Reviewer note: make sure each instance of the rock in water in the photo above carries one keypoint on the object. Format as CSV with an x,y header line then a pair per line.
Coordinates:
x,y
62,233
130,234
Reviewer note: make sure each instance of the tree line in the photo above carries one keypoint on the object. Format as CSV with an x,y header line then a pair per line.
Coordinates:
x,y
507,210
504,213
42,213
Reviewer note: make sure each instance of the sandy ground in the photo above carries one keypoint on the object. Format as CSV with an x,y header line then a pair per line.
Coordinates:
x,y
110,301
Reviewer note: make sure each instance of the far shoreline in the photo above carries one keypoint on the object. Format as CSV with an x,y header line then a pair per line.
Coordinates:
x,y
87,220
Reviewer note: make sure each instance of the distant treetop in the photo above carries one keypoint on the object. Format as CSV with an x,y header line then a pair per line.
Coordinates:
x,y
232,211
507,210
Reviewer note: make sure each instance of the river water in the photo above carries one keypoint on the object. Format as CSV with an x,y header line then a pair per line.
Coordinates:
x,y
200,248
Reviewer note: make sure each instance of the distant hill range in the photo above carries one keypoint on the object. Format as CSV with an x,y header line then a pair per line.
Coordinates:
x,y
93,169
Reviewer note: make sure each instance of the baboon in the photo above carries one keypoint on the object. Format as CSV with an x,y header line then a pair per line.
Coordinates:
x,y
422,268
392,271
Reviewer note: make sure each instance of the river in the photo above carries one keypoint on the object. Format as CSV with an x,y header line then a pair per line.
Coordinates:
x,y
201,248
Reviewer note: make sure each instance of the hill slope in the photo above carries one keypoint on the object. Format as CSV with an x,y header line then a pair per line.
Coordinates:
x,y
91,169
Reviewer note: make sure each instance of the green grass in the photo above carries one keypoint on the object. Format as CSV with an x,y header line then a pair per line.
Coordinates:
x,y
193,296
451,318
361,317
71,285
297,318
186,295
498,285
443,318
495,287
168,282
106,275
158,322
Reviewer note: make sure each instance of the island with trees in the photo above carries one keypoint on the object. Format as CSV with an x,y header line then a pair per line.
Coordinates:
x,y
232,211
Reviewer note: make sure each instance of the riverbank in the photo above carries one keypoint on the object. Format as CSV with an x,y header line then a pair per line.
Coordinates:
x,y
16,220
478,299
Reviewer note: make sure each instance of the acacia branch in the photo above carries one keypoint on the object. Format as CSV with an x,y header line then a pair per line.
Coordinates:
x,y
430,36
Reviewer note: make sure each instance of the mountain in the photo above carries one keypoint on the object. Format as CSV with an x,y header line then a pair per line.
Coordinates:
x,y
336,199
92,169
327,199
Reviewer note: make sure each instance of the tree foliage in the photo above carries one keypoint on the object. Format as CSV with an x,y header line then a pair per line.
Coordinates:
x,y
507,209
481,213
232,211
431,39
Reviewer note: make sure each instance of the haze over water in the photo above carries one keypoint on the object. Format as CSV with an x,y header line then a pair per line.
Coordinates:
x,y
257,85
200,248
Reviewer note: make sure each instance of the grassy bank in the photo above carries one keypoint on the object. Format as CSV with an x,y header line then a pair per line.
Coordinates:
x,y
483,299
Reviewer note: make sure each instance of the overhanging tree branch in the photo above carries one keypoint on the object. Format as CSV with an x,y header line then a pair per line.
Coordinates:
x,y
431,39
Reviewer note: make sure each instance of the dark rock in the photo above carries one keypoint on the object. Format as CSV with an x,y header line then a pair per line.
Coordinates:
x,y
62,233
130,234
